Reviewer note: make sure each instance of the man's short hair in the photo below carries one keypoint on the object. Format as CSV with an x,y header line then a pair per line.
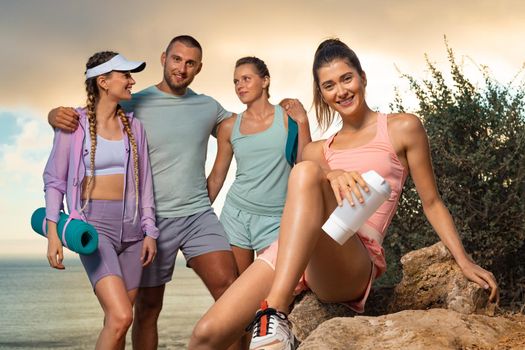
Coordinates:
x,y
187,40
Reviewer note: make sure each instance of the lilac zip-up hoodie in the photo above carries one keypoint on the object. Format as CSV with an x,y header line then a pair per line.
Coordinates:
x,y
65,170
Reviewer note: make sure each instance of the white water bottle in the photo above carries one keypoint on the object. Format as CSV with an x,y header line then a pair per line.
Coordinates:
x,y
345,221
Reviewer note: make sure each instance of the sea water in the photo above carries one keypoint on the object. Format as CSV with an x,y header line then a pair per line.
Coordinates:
x,y
43,308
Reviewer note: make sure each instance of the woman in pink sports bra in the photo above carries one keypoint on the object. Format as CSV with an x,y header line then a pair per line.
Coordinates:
x,y
393,146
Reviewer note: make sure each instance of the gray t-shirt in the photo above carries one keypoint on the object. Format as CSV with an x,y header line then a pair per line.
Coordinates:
x,y
177,129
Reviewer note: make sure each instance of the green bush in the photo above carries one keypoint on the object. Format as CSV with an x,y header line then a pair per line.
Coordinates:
x,y
477,140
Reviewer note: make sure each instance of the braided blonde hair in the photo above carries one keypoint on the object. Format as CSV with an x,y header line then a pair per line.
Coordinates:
x,y
93,96
127,128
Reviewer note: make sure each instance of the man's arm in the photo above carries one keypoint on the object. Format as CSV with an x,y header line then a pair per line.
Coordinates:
x,y
222,160
64,118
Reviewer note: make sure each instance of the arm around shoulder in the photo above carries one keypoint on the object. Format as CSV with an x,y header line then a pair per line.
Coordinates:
x,y
64,118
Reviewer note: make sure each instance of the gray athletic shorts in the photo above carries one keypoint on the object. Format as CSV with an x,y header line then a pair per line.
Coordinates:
x,y
194,235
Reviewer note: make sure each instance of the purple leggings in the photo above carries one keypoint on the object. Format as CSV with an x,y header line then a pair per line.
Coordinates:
x,y
113,257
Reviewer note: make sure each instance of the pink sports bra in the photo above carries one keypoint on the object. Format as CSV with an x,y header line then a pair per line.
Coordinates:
x,y
378,155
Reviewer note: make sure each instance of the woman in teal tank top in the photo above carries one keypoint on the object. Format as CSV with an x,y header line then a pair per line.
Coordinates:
x,y
257,138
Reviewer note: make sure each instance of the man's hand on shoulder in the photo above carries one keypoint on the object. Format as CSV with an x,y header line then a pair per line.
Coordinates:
x,y
63,118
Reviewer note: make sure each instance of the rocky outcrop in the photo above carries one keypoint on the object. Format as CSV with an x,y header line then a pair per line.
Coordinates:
x,y
309,312
430,329
431,279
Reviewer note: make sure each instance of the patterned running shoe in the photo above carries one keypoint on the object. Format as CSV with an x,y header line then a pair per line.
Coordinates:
x,y
270,330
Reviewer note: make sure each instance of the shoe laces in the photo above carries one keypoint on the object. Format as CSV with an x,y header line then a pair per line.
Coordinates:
x,y
265,321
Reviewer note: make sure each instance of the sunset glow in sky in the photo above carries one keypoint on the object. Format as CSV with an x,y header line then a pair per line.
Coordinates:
x,y
45,44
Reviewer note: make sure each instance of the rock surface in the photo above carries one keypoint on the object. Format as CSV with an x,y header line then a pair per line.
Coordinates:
x,y
431,279
418,329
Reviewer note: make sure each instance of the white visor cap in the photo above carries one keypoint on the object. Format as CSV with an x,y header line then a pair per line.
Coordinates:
x,y
118,63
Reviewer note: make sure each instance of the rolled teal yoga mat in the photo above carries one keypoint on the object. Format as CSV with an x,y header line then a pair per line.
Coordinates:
x,y
292,142
80,236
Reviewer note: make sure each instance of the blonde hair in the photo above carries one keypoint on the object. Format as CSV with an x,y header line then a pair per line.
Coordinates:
x,y
127,128
92,91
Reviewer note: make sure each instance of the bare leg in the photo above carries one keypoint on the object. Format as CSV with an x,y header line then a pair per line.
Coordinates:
x,y
345,270
225,321
243,258
302,245
147,310
132,295
118,315
338,273
216,269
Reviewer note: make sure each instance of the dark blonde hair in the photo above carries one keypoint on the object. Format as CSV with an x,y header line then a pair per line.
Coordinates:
x,y
260,68
327,52
93,95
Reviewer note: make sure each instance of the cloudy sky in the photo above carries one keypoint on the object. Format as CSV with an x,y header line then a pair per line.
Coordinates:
x,y
45,44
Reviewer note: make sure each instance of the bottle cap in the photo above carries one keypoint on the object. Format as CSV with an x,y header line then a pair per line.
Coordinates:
x,y
376,181
337,230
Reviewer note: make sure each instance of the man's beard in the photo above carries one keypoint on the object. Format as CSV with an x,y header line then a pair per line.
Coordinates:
x,y
173,86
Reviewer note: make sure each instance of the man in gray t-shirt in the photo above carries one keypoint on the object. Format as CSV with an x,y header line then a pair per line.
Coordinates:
x,y
178,123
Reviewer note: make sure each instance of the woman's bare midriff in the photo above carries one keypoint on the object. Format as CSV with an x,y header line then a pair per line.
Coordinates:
x,y
107,187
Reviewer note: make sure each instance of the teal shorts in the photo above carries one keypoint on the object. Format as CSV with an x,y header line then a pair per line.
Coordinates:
x,y
247,230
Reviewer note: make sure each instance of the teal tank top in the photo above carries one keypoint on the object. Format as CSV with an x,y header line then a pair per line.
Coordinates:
x,y
262,174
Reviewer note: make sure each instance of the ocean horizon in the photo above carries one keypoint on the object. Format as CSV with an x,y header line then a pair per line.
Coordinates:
x,y
42,308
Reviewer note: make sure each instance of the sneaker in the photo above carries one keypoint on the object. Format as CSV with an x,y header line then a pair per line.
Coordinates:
x,y
271,330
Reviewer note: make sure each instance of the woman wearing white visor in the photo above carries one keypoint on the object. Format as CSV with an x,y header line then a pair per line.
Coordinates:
x,y
103,170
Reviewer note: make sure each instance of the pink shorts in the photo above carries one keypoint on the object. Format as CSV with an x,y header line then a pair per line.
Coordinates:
x,y
377,256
